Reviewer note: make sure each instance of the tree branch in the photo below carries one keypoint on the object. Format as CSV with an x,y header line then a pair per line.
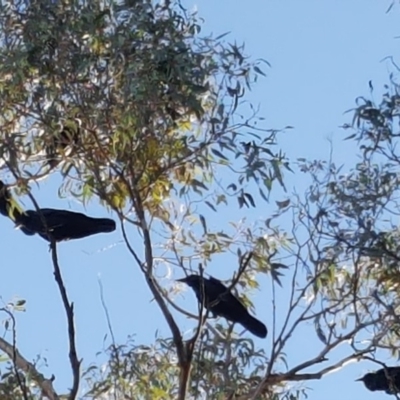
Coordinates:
x,y
69,309
28,368
318,359
176,334
14,345
275,379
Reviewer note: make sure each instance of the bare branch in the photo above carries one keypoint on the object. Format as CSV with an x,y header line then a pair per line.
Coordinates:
x,y
69,309
275,379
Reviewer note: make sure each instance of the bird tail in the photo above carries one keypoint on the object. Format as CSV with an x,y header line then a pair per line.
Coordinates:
x,y
255,326
103,225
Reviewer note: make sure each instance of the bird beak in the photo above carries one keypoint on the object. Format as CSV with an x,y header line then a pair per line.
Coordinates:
x,y
181,280
359,379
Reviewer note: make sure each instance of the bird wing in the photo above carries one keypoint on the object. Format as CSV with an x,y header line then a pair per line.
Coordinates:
x,y
52,217
66,225
61,213
56,218
217,285
220,293
394,371
223,291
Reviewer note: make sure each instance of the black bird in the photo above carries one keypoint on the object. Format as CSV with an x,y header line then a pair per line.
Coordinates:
x,y
221,302
385,379
61,224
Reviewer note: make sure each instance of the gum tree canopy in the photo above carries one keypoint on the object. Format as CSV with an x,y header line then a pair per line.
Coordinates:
x,y
134,107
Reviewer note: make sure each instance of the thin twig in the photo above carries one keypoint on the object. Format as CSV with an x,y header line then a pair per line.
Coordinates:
x,y
275,379
14,345
115,351
318,359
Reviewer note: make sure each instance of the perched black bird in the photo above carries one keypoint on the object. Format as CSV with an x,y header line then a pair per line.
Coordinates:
x,y
386,379
61,224
221,302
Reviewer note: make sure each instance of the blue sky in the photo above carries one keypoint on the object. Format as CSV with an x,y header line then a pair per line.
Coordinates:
x,y
323,54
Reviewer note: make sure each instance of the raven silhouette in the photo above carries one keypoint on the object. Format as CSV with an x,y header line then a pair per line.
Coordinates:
x,y
221,302
61,224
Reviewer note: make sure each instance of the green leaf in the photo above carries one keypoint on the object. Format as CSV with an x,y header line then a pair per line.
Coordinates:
x,y
283,204
219,154
203,223
250,199
210,205
258,70
268,184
